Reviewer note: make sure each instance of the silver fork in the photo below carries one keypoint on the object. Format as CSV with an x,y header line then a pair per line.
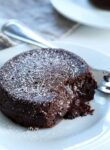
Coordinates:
x,y
15,29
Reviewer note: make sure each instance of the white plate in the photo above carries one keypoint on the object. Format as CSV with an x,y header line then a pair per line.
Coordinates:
x,y
90,132
82,11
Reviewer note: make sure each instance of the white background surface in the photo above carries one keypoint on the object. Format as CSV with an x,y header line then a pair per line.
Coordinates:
x,y
93,38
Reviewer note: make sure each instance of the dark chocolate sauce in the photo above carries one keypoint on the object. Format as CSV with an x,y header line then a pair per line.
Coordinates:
x,y
102,4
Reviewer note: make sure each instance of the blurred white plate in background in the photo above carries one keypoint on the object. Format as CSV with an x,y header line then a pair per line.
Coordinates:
x,y
83,12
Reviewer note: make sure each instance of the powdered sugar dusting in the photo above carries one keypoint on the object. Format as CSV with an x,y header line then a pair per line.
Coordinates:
x,y
36,72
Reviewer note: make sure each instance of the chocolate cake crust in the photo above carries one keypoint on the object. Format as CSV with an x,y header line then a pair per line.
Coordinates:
x,y
36,87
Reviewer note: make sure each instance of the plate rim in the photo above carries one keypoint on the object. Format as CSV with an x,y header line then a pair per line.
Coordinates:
x,y
80,19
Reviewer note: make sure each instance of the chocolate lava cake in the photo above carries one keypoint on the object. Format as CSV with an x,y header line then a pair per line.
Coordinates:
x,y
40,87
103,4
